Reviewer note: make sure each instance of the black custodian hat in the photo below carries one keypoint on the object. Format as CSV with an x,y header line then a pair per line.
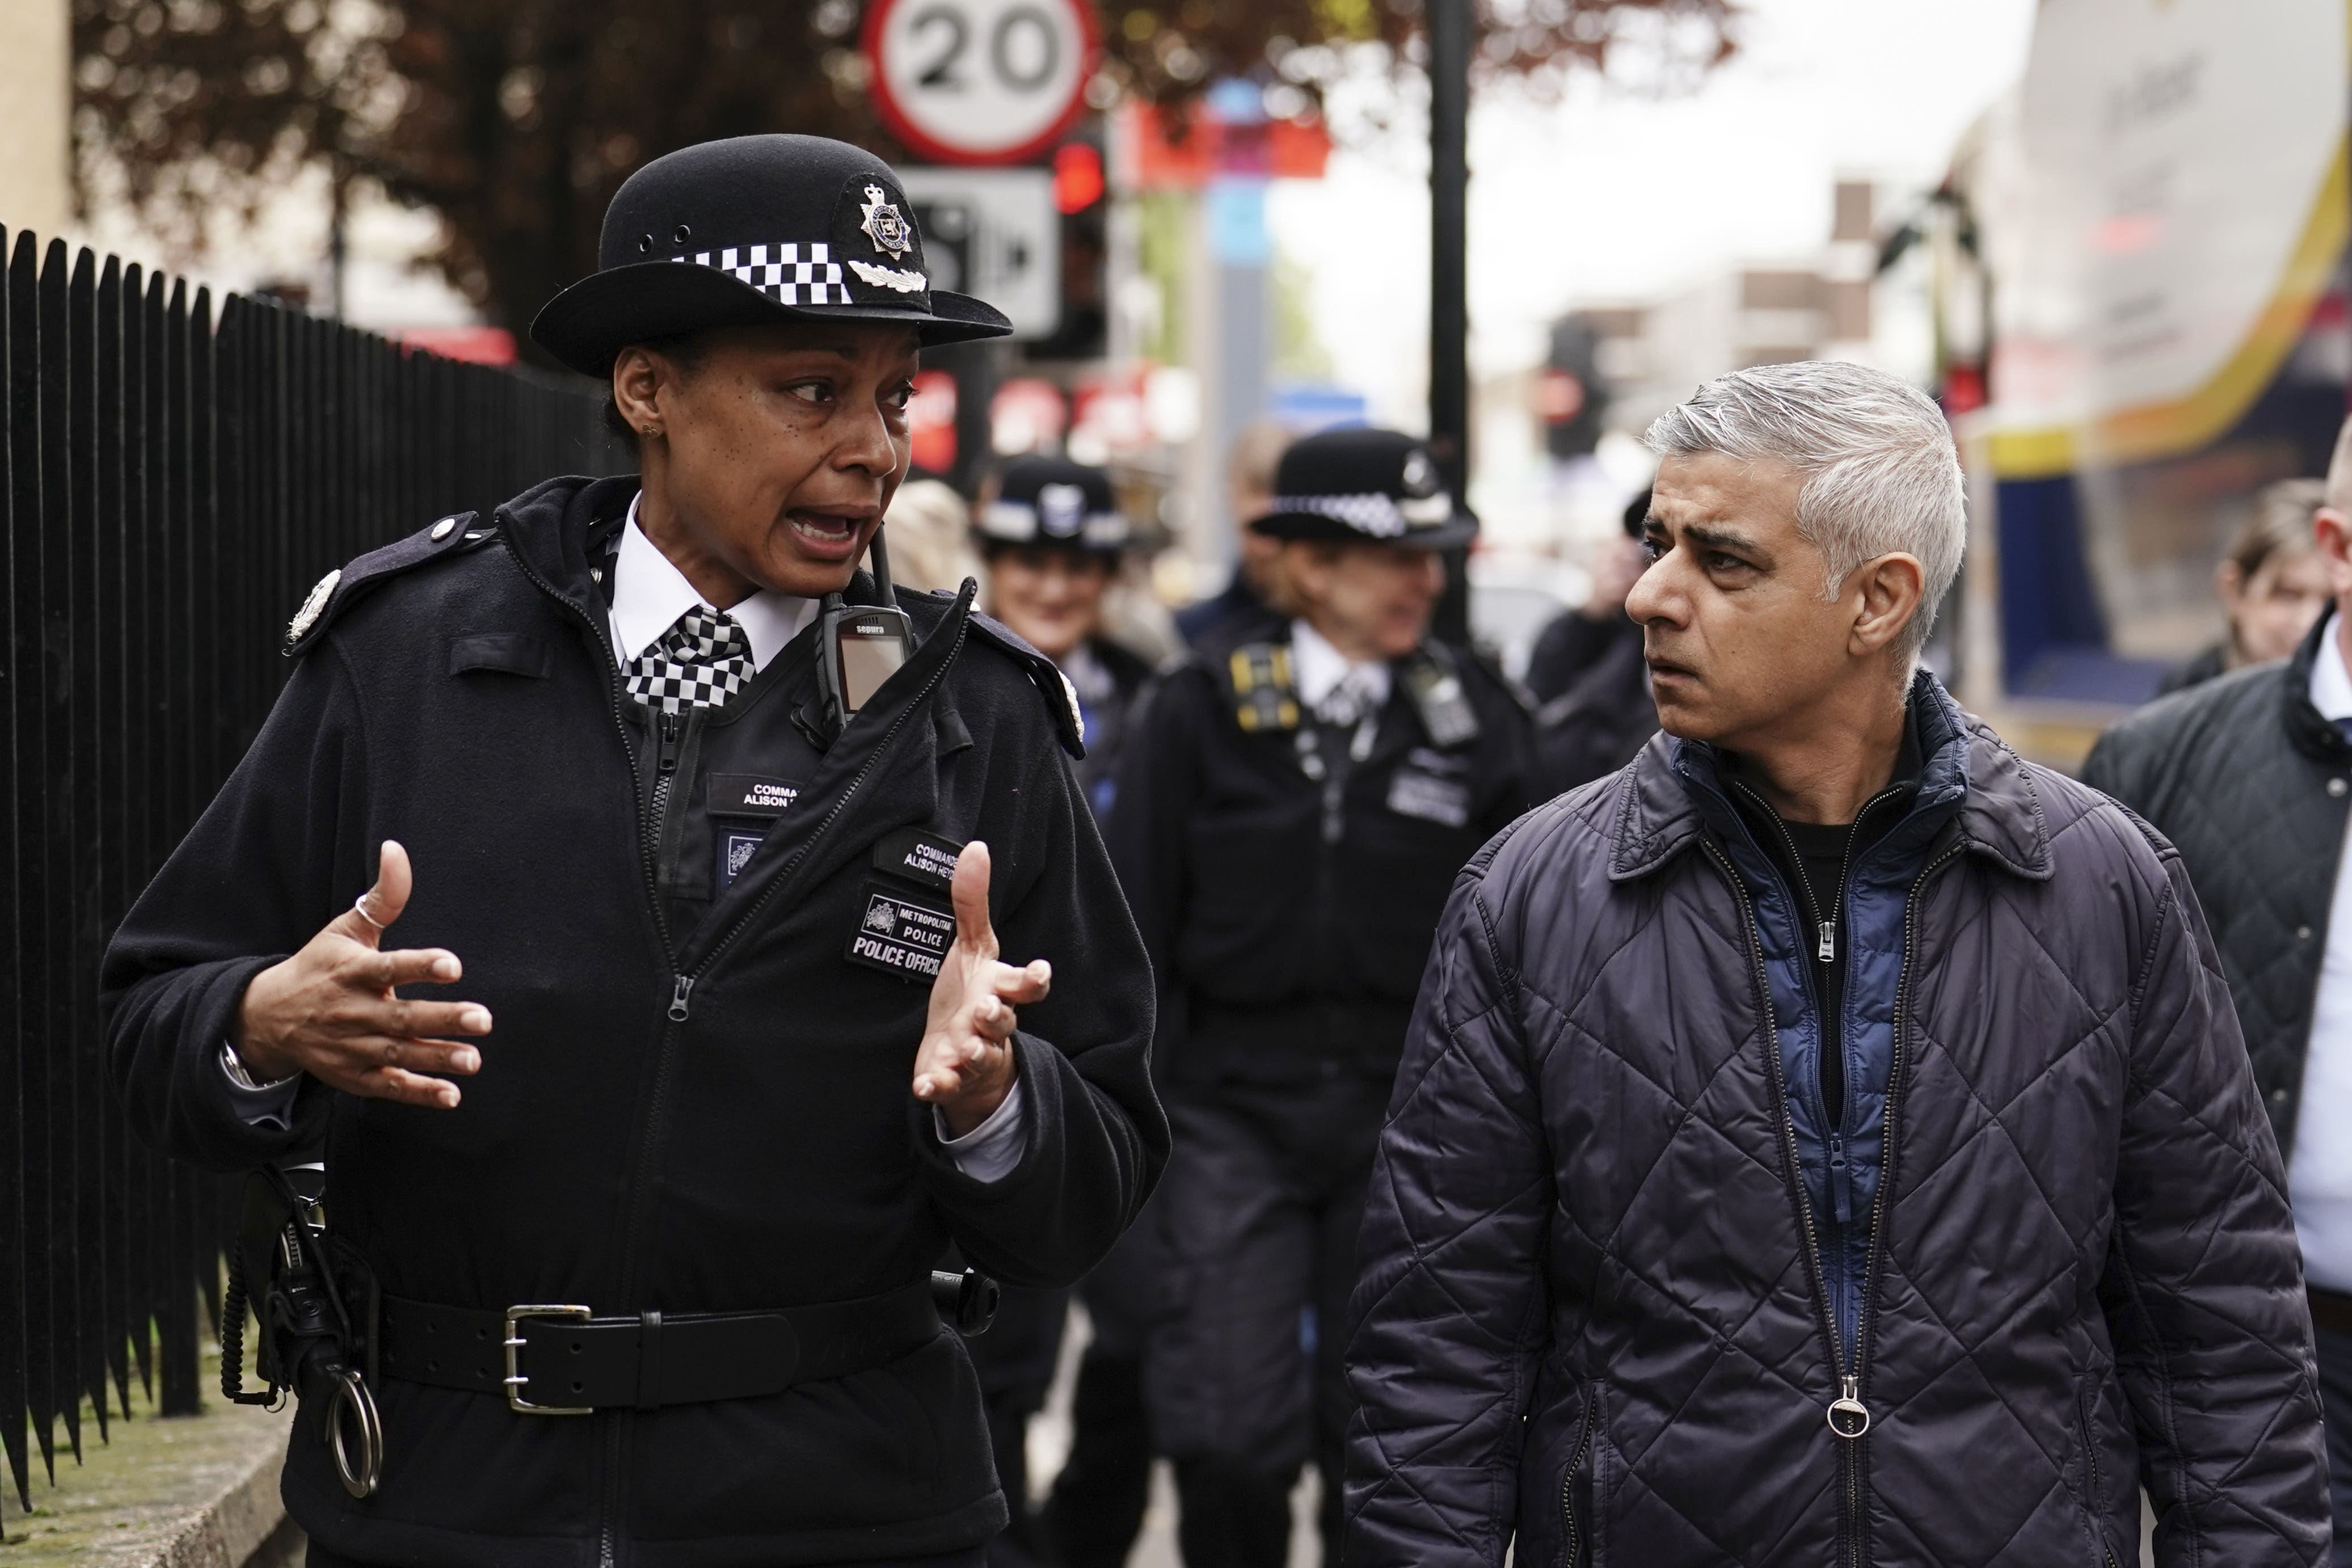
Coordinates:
x,y
1051,500
1364,486
751,230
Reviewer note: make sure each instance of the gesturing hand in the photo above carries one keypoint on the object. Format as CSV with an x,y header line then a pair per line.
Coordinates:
x,y
330,1010
964,1066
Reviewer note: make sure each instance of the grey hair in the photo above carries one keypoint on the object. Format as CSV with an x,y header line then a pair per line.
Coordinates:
x,y
1880,471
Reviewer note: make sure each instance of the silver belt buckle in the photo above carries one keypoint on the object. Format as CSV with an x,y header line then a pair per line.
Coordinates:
x,y
515,1379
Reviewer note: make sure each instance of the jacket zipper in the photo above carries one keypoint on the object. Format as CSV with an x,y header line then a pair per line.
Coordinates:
x,y
671,728
1792,1170
1891,1147
1568,1478
2091,1468
1825,924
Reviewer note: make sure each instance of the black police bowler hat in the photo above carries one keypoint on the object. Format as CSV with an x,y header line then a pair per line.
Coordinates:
x,y
751,230
1051,500
1364,486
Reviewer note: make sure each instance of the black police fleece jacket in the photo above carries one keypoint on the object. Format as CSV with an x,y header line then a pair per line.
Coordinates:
x,y
764,1150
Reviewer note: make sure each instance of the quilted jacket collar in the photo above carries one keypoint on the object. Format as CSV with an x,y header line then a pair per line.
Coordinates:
x,y
1967,774
2307,730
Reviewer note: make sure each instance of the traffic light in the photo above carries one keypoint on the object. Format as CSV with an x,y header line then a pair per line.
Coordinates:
x,y
1079,192
1570,398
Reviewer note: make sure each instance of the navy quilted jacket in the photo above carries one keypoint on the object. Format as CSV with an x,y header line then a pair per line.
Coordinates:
x,y
1592,1314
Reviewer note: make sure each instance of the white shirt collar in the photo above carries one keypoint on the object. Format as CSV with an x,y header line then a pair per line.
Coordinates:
x,y
1318,668
649,594
2331,683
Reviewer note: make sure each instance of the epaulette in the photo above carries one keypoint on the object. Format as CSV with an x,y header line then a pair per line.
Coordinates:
x,y
1061,697
335,592
1257,676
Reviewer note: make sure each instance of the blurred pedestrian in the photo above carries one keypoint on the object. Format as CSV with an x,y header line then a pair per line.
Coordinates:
x,y
656,1286
2248,775
1052,533
1254,594
930,539
2272,583
1290,815
1591,689
1825,1139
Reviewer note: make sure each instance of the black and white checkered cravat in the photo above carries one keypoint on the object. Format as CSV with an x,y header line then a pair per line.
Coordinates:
x,y
701,662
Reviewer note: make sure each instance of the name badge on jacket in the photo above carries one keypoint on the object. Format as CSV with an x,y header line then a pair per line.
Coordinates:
x,y
1413,792
904,922
742,804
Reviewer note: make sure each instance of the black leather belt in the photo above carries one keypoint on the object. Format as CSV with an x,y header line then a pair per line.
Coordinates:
x,y
562,1360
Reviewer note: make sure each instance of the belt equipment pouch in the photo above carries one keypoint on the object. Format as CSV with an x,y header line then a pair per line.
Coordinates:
x,y
315,1303
564,1360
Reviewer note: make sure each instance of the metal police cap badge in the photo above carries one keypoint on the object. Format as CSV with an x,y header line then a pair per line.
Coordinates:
x,y
885,225
1420,475
312,608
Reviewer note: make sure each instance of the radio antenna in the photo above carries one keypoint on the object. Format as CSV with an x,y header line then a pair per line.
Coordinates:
x,y
880,555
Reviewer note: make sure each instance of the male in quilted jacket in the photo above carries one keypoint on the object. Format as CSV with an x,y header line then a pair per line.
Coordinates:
x,y
1828,1138
2248,775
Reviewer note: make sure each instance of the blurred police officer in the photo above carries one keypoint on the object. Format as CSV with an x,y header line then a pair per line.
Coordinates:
x,y
1051,533
1291,816
718,873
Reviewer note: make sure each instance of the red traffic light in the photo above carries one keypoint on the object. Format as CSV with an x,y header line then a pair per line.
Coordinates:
x,y
1077,176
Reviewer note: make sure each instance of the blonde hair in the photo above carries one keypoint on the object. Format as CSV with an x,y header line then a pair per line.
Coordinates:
x,y
929,538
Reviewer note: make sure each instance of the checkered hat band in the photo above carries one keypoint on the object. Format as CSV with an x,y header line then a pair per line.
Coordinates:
x,y
788,273
1372,513
701,662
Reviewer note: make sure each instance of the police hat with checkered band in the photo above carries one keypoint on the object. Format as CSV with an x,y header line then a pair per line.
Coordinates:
x,y
751,230
1364,486
1050,500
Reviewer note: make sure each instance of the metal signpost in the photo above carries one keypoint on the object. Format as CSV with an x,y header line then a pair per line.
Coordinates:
x,y
994,233
1449,279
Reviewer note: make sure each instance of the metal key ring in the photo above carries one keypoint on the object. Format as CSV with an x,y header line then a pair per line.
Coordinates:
x,y
351,1392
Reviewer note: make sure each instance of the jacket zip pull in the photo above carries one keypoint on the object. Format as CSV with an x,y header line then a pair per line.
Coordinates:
x,y
672,726
1827,952
1849,1417
677,996
1840,1180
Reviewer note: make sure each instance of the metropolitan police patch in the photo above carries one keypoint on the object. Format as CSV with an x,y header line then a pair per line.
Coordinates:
x,y
900,936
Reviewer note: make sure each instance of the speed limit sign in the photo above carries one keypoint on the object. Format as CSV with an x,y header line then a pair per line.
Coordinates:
x,y
980,81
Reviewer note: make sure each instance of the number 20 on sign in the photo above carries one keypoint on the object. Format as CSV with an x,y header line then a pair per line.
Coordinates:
x,y
980,81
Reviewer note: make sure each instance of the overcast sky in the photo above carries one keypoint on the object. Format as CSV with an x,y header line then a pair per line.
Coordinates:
x,y
1615,196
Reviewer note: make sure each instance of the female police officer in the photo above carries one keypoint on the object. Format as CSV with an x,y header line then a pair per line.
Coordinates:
x,y
1291,816
725,907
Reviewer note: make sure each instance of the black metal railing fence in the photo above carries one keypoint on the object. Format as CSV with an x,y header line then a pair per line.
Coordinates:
x,y
172,485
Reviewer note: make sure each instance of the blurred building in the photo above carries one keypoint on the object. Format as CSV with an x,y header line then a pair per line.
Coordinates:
x,y
1649,355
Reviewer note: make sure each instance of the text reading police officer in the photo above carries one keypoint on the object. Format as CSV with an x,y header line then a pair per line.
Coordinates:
x,y
1290,818
755,1062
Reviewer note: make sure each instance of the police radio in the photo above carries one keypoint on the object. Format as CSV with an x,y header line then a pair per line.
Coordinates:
x,y
859,647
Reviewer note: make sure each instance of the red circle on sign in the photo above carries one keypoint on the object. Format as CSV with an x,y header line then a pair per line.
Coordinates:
x,y
923,143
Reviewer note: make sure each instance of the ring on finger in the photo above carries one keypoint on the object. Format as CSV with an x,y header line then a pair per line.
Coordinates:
x,y
359,907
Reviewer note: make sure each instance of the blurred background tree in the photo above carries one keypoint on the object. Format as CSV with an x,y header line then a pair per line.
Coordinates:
x,y
516,119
